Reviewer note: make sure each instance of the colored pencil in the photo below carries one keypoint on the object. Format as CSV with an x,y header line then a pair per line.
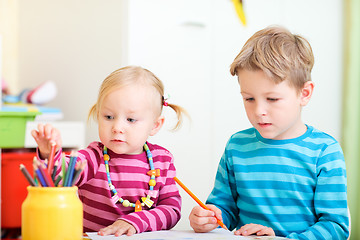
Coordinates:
x,y
51,157
44,173
198,201
63,167
39,176
71,168
78,169
58,179
27,175
54,170
67,174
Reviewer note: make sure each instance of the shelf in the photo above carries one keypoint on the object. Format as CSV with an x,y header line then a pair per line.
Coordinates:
x,y
72,133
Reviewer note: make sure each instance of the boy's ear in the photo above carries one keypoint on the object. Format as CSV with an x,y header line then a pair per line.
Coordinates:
x,y
306,92
157,125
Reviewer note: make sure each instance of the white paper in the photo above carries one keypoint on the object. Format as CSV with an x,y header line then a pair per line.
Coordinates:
x,y
216,234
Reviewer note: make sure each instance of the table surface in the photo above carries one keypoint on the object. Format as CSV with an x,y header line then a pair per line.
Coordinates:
x,y
218,233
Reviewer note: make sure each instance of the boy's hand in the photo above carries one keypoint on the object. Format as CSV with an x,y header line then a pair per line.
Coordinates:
x,y
257,229
202,220
118,228
44,136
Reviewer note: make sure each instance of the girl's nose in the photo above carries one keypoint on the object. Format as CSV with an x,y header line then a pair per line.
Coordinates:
x,y
118,127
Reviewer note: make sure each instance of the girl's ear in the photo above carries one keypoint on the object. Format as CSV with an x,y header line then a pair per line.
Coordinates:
x,y
306,93
157,125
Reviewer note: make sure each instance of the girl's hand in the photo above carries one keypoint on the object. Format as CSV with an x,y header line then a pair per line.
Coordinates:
x,y
118,228
257,229
44,136
202,220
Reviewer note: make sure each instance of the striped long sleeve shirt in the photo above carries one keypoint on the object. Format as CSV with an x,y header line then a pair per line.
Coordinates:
x,y
129,176
297,186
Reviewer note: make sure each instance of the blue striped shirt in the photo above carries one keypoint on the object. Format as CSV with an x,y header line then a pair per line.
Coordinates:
x,y
295,186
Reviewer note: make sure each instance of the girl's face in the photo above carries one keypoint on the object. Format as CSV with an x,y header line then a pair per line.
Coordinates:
x,y
273,109
128,116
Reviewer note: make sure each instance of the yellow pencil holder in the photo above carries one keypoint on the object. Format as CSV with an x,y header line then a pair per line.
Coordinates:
x,y
52,213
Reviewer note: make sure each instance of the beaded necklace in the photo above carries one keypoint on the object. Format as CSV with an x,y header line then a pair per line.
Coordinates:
x,y
145,200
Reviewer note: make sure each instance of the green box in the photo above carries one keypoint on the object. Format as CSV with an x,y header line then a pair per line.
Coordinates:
x,y
12,128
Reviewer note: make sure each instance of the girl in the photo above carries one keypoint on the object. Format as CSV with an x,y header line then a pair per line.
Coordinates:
x,y
127,186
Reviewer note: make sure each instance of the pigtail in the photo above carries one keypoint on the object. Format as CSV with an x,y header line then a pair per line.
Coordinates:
x,y
180,112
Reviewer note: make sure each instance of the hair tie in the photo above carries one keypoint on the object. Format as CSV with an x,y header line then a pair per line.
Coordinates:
x,y
165,103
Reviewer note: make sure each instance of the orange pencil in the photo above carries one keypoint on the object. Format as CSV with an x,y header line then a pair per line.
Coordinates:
x,y
198,201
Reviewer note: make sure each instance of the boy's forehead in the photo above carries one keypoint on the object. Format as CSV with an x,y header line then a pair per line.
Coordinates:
x,y
258,80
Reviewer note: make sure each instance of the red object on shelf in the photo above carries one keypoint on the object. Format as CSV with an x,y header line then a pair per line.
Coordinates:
x,y
13,186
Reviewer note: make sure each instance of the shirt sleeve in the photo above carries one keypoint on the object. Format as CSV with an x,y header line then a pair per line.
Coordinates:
x,y
167,211
87,173
224,193
330,199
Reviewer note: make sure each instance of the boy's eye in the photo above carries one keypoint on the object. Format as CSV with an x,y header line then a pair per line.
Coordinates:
x,y
272,99
131,120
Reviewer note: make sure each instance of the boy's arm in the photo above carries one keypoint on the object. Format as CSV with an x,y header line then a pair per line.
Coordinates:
x,y
330,199
167,211
224,193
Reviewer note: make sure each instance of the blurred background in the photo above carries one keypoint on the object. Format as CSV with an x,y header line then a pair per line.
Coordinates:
x,y
189,45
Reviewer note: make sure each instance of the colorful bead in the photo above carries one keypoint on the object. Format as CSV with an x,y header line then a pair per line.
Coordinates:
x,y
145,200
115,198
152,182
126,203
138,207
151,193
155,172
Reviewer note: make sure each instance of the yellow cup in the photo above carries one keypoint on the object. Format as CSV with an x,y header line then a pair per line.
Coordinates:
x,y
52,213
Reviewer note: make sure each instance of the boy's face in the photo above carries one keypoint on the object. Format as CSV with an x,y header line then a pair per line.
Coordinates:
x,y
273,109
128,116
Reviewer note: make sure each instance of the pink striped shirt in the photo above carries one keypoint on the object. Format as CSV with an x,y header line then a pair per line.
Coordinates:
x,y
128,175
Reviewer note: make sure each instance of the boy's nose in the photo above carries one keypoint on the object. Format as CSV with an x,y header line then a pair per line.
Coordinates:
x,y
260,109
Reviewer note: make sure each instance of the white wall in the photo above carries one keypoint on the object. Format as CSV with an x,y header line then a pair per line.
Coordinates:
x,y
189,45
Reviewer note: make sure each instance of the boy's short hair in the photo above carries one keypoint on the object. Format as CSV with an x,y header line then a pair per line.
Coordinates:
x,y
280,54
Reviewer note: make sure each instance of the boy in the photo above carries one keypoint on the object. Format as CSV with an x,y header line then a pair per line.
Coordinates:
x,y
281,177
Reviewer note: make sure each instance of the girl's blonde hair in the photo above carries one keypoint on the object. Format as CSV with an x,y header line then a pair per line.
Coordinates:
x,y
280,54
130,75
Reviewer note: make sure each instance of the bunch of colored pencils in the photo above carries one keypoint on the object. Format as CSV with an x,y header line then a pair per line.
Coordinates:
x,y
44,176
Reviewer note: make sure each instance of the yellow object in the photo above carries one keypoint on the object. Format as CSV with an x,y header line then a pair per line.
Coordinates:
x,y
52,213
147,201
239,10
126,203
152,182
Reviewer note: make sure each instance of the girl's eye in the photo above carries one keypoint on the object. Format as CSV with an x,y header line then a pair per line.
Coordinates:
x,y
108,117
249,99
131,120
272,99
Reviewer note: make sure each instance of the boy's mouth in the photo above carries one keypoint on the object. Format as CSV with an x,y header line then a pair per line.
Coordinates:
x,y
264,124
